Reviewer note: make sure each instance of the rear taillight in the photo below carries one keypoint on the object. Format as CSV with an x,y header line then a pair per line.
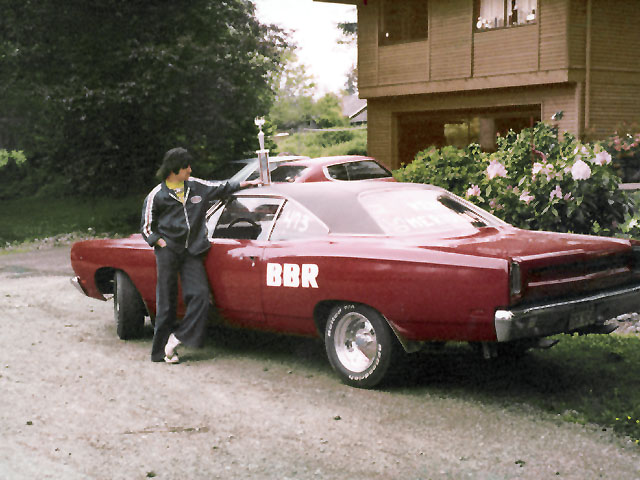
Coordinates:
x,y
515,280
636,258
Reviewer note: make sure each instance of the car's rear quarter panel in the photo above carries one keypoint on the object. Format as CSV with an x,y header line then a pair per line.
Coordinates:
x,y
425,294
131,255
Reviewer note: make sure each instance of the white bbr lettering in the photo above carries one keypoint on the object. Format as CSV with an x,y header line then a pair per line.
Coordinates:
x,y
309,273
292,275
274,274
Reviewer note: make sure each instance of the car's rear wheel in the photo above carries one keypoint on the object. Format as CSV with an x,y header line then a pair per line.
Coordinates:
x,y
128,308
359,344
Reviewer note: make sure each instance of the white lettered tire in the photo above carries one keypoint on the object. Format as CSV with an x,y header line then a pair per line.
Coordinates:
x,y
359,344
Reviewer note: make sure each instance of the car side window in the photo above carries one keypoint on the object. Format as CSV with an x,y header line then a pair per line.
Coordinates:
x,y
338,172
296,222
248,218
366,169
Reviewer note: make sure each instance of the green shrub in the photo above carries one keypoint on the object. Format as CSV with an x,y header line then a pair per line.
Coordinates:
x,y
534,180
326,143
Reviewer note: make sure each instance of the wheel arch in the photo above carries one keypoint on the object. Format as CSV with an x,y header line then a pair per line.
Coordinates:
x,y
104,279
105,282
323,309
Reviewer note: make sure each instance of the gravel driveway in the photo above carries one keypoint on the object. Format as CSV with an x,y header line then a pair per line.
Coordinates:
x,y
77,403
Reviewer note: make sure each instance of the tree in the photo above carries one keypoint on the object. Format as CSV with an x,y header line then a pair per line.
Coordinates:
x,y
293,105
327,112
98,89
349,37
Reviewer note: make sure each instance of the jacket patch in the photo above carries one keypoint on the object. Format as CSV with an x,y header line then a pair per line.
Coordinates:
x,y
196,199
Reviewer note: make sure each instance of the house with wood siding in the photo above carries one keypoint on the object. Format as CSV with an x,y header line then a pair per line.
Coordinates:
x,y
442,72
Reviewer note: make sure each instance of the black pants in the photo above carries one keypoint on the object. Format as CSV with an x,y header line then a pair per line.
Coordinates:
x,y
195,292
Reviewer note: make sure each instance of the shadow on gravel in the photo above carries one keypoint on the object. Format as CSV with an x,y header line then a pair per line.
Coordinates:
x,y
583,379
307,352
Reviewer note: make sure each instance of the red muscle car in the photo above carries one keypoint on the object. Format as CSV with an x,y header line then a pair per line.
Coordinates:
x,y
372,267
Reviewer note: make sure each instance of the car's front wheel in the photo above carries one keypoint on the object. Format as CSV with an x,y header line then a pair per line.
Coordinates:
x,y
359,344
128,308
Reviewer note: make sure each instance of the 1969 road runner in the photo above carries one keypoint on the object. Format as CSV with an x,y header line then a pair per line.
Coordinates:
x,y
375,267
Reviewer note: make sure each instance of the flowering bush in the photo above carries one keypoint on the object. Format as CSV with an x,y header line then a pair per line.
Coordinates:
x,y
534,180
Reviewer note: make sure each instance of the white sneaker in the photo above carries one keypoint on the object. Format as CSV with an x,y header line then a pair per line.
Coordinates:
x,y
173,359
170,347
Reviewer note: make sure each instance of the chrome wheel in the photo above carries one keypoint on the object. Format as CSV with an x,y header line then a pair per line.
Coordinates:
x,y
355,342
359,344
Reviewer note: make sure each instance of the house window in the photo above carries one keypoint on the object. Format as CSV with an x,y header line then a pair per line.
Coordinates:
x,y
405,21
505,13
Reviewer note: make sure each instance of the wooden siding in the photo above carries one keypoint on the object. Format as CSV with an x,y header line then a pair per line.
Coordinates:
x,y
381,132
403,63
456,58
553,25
368,45
615,35
613,105
577,38
450,35
504,51
562,98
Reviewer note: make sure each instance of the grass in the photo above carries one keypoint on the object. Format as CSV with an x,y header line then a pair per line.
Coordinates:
x,y
593,379
32,218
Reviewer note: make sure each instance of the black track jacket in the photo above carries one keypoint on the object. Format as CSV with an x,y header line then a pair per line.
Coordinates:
x,y
182,225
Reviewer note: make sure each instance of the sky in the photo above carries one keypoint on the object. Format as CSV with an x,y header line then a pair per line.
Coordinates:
x,y
315,34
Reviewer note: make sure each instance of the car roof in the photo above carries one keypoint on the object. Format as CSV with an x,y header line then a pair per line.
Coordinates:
x,y
327,200
252,165
333,160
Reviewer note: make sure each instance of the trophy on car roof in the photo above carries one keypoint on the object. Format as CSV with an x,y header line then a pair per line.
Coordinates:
x,y
263,154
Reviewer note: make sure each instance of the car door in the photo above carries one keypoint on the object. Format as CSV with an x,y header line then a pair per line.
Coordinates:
x,y
294,259
234,265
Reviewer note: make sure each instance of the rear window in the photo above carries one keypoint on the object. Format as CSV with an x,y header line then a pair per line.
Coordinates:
x,y
287,173
409,212
362,170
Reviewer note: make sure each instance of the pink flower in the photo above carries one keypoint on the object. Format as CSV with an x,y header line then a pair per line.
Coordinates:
x,y
580,171
602,158
493,203
537,167
473,191
581,149
544,168
496,169
526,197
557,192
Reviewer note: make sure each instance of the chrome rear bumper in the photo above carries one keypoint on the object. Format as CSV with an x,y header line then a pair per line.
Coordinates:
x,y
565,316
75,281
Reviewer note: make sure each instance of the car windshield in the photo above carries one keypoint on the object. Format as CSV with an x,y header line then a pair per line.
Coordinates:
x,y
419,211
287,173
361,170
